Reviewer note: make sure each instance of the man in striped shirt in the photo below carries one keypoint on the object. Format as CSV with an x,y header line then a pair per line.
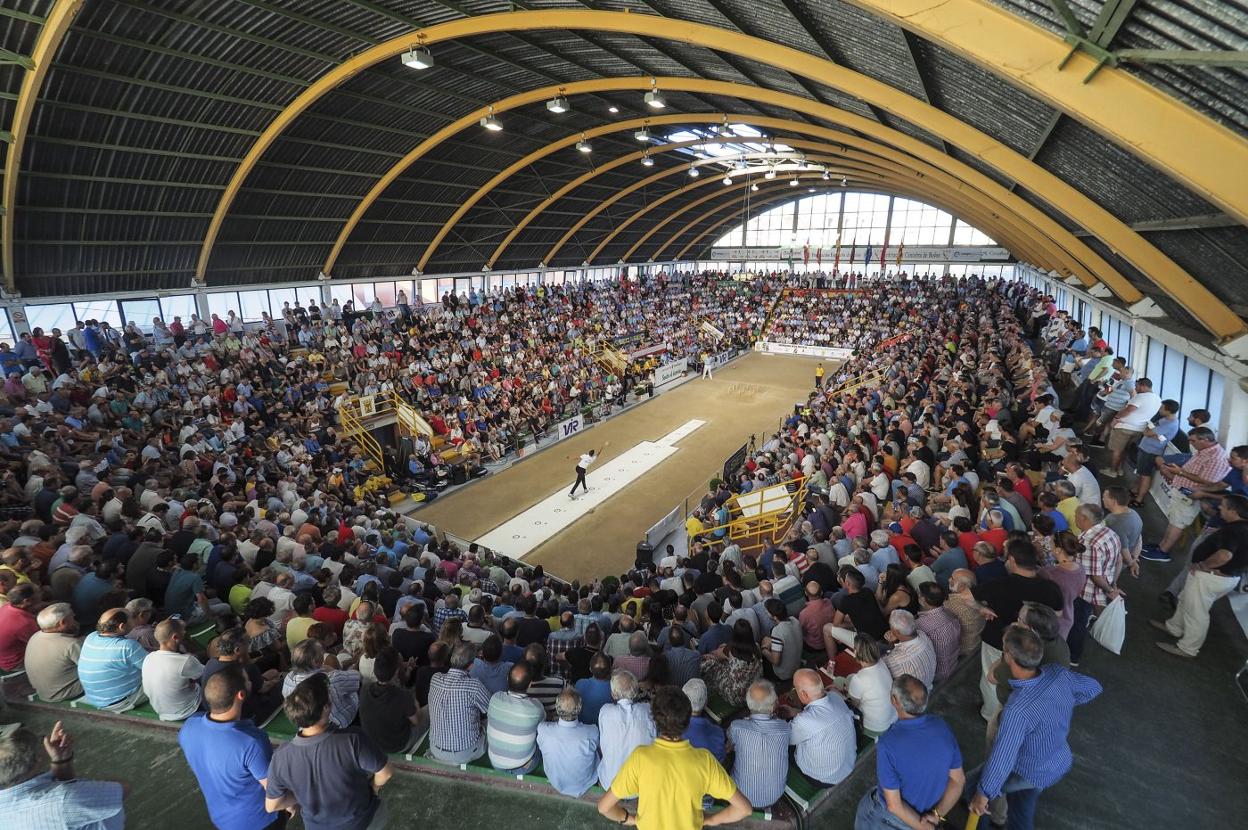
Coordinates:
x,y
941,627
1206,468
761,742
1030,753
823,732
110,664
511,728
1101,557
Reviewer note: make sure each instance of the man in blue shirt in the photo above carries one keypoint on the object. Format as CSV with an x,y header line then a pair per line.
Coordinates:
x,y
918,764
1165,425
702,732
1030,753
229,755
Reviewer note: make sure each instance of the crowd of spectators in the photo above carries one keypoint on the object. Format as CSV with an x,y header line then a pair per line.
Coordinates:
x,y
952,513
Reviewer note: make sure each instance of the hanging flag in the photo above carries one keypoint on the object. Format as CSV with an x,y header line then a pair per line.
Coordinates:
x,y
866,261
806,253
883,255
853,248
901,249
836,259
819,256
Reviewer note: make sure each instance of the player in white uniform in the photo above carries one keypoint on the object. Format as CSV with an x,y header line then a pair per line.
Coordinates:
x,y
582,465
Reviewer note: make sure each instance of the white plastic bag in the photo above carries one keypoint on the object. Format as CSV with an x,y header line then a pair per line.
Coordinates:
x,y
1110,628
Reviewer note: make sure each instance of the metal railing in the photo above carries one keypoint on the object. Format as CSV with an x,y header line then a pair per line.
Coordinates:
x,y
873,377
757,532
350,419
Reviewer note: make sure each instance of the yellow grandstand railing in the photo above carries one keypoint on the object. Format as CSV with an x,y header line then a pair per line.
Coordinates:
x,y
874,377
771,313
352,424
757,532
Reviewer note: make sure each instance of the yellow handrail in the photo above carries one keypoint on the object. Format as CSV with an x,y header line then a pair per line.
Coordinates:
x,y
754,533
872,377
354,428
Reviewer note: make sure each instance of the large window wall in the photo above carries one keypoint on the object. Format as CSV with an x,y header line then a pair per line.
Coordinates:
x,y
861,220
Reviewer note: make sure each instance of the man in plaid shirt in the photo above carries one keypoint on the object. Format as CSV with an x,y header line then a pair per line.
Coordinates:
x,y
449,610
1207,467
1101,560
457,704
562,641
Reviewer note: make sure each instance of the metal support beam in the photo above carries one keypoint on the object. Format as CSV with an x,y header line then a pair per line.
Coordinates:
x,y
1045,134
46,45
1185,57
1205,156
1194,148
1069,20
1186,223
10,57
1110,19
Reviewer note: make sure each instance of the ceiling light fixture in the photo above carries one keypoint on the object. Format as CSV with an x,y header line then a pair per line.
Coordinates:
x,y
693,172
559,104
754,187
646,161
793,182
583,145
613,110
826,175
491,123
844,181
418,57
727,180
770,174
642,135
810,190
654,98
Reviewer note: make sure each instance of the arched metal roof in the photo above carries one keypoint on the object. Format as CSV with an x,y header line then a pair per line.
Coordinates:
x,y
133,127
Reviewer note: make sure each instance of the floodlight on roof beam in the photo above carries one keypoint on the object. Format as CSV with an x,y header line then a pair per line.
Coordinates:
x,y
583,145
727,180
642,135
418,57
654,98
793,182
491,123
646,161
613,109
693,172
558,105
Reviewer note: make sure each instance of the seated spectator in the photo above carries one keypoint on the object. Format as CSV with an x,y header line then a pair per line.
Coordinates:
x,y
52,655
56,798
457,703
703,733
941,627
731,669
489,667
388,711
949,558
815,614
229,755
263,688
298,625
761,747
110,665
264,638
858,612
670,778
171,677
623,726
332,776
822,732
912,653
17,624
782,648
142,630
344,686
637,660
568,747
682,662
918,765
575,662
511,725
869,688
413,639
595,690
542,687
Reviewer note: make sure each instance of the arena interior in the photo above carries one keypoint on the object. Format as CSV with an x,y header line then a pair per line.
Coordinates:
x,y
667,413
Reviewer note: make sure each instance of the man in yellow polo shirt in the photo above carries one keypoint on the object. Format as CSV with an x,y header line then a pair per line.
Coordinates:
x,y
819,376
669,777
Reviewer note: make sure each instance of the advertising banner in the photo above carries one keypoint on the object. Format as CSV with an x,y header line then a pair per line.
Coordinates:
x,y
826,352
913,253
670,371
570,427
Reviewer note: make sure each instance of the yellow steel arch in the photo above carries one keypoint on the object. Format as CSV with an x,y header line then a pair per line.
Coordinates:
x,y
1205,156
1165,273
990,190
48,41
897,181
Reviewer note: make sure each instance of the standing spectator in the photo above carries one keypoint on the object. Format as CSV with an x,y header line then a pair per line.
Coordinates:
x,y
1031,752
622,726
823,732
962,604
1219,564
56,798
110,664
457,703
1101,560
761,747
17,625
569,748
170,677
229,755
1121,519
52,655
332,776
1153,442
941,627
1068,575
670,778
511,725
918,765
1126,428
388,710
